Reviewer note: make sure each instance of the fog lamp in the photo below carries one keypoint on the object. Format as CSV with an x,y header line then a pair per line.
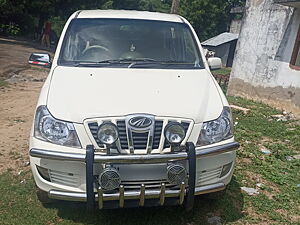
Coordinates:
x,y
176,174
174,133
225,170
108,133
109,179
43,172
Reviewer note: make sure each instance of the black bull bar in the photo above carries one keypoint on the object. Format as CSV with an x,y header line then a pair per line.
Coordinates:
x,y
189,192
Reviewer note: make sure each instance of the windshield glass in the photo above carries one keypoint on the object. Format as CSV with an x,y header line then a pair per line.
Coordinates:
x,y
129,43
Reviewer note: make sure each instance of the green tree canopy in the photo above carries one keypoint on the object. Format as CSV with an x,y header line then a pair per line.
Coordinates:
x,y
208,17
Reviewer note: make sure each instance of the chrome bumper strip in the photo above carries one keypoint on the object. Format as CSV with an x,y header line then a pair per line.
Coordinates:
x,y
100,196
182,193
142,195
121,200
149,158
162,194
148,194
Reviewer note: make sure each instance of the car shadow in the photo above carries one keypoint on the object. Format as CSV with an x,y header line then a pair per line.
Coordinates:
x,y
229,208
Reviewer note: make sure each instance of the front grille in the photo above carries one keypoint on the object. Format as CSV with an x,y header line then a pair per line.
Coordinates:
x,y
157,133
122,134
140,139
94,129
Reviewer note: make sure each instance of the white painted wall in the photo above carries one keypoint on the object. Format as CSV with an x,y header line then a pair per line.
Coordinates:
x,y
265,47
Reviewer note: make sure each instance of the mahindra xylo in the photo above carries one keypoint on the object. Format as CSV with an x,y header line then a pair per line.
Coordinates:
x,y
130,114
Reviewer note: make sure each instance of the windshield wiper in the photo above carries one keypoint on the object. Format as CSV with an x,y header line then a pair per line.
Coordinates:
x,y
92,63
113,61
166,63
131,62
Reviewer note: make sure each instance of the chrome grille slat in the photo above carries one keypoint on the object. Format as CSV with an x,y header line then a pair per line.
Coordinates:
x,y
94,129
122,134
157,133
140,140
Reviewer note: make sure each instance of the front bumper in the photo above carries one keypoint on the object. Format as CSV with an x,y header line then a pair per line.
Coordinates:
x,y
149,158
161,195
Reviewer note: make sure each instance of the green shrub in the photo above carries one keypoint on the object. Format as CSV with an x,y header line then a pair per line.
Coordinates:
x,y
57,24
10,29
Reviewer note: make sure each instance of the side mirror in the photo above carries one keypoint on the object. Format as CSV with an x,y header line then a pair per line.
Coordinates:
x,y
40,59
214,63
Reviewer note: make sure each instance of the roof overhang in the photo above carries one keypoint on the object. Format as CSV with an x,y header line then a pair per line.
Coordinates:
x,y
220,39
291,3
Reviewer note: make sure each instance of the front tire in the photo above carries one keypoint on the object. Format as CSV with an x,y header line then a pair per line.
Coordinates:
x,y
43,196
215,195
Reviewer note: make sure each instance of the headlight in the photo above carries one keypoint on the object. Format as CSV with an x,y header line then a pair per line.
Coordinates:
x,y
216,130
174,133
108,133
49,129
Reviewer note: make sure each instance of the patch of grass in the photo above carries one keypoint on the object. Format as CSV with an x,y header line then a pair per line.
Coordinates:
x,y
3,83
258,129
222,71
19,203
15,155
277,203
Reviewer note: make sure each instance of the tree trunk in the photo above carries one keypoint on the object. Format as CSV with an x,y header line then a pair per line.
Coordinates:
x,y
175,6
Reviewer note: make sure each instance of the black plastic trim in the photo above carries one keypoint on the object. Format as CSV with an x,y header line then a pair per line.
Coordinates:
x,y
190,195
89,160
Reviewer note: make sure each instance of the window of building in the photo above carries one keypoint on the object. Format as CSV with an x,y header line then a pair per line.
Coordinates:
x,y
295,60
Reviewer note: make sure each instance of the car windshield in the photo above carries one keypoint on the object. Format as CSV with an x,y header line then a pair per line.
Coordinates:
x,y
129,43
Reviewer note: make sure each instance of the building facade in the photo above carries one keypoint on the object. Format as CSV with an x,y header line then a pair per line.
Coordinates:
x,y
267,58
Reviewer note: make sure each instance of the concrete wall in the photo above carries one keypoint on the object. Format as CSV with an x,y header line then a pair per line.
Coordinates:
x,y
261,68
235,26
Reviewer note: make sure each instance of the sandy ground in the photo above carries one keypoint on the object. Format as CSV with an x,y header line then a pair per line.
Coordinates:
x,y
17,102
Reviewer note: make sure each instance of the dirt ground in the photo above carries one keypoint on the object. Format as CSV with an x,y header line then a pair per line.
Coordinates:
x,y
17,101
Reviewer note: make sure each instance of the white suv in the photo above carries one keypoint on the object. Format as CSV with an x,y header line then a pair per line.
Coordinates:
x,y
130,114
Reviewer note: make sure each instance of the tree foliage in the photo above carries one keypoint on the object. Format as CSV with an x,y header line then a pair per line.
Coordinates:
x,y
209,17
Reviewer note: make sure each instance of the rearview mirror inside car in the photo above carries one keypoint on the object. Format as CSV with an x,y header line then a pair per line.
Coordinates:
x,y
40,59
214,63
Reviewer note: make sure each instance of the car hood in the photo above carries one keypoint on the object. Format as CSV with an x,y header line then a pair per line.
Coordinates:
x,y
76,94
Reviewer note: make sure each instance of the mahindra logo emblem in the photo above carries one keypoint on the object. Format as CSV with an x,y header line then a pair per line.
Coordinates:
x,y
140,122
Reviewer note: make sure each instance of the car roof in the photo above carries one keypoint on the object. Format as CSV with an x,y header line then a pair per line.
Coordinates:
x,y
129,14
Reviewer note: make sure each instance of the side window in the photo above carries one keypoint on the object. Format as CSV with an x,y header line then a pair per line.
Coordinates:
x,y
295,60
